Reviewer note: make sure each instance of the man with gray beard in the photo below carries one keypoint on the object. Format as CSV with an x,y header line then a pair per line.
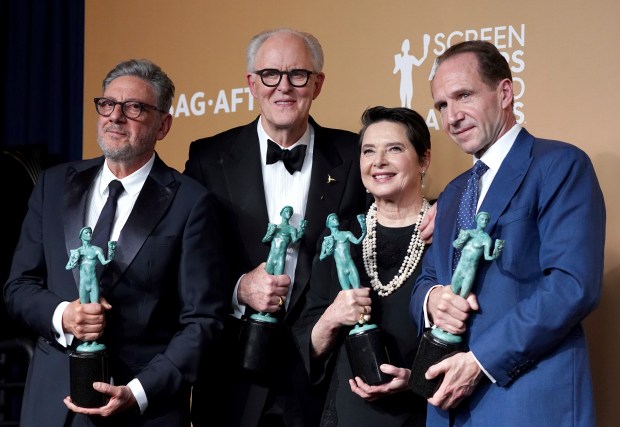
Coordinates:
x,y
161,308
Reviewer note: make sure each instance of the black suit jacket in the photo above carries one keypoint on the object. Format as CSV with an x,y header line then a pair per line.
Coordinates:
x,y
229,165
167,305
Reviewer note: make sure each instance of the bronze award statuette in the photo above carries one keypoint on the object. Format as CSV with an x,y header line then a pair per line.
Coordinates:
x,y
89,361
260,333
365,343
438,344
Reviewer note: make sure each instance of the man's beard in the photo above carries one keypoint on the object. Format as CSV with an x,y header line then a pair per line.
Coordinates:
x,y
127,152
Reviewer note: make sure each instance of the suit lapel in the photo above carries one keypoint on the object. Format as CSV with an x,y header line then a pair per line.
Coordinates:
x,y
78,181
508,178
448,206
152,203
240,161
505,184
329,175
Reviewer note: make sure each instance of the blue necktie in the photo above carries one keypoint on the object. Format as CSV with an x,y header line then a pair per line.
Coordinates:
x,y
103,229
468,204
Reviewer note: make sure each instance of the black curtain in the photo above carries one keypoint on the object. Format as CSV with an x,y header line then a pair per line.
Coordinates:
x,y
41,108
42,49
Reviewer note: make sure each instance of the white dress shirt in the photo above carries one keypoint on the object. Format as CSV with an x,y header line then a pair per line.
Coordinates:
x,y
283,189
97,198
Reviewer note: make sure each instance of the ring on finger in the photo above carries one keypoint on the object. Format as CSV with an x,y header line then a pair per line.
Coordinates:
x,y
362,318
280,301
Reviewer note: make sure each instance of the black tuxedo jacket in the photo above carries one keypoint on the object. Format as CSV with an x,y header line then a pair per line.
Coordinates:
x,y
229,165
167,305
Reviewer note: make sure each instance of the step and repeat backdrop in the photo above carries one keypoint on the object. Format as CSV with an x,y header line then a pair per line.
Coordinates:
x,y
564,55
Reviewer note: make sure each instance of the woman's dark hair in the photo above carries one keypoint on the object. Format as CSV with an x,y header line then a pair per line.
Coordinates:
x,y
417,131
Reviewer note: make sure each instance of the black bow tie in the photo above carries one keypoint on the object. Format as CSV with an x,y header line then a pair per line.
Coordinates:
x,y
293,159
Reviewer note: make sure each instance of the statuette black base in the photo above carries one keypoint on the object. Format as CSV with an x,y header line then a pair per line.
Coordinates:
x,y
367,351
258,342
431,351
85,369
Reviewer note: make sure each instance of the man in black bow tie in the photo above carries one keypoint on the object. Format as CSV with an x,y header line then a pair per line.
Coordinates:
x,y
283,158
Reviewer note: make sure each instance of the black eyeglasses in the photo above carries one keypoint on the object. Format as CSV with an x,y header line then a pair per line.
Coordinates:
x,y
272,77
131,109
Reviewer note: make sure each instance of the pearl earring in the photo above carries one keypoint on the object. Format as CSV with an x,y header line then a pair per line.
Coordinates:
x,y
422,174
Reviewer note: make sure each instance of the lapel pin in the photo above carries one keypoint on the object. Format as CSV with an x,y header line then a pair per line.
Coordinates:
x,y
330,179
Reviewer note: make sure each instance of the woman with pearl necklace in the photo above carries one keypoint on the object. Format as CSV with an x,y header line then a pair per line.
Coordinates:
x,y
394,158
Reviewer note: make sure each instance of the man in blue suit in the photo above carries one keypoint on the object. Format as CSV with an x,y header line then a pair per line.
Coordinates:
x,y
527,363
162,306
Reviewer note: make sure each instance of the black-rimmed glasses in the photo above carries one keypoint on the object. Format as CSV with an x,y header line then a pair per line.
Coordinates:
x,y
272,77
131,109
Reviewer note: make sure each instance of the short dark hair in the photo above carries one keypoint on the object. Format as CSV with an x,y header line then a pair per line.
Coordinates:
x,y
492,66
149,71
417,131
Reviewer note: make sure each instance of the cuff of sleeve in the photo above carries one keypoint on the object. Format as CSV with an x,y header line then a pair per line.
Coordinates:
x,y
489,376
61,337
238,309
138,392
427,322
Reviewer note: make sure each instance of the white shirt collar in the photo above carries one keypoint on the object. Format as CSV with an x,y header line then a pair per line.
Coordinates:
x,y
496,153
132,183
494,157
263,137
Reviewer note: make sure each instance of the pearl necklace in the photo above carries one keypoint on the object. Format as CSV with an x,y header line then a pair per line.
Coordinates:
x,y
369,252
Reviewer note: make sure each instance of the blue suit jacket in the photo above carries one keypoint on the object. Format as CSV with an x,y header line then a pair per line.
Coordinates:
x,y
546,203
167,305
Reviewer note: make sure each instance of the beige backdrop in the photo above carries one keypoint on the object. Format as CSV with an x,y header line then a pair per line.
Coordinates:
x,y
564,56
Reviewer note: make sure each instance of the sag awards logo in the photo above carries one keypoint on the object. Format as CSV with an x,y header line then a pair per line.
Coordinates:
x,y
510,40
414,63
196,104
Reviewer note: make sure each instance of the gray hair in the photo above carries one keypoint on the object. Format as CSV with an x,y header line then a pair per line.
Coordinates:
x,y
311,42
148,71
